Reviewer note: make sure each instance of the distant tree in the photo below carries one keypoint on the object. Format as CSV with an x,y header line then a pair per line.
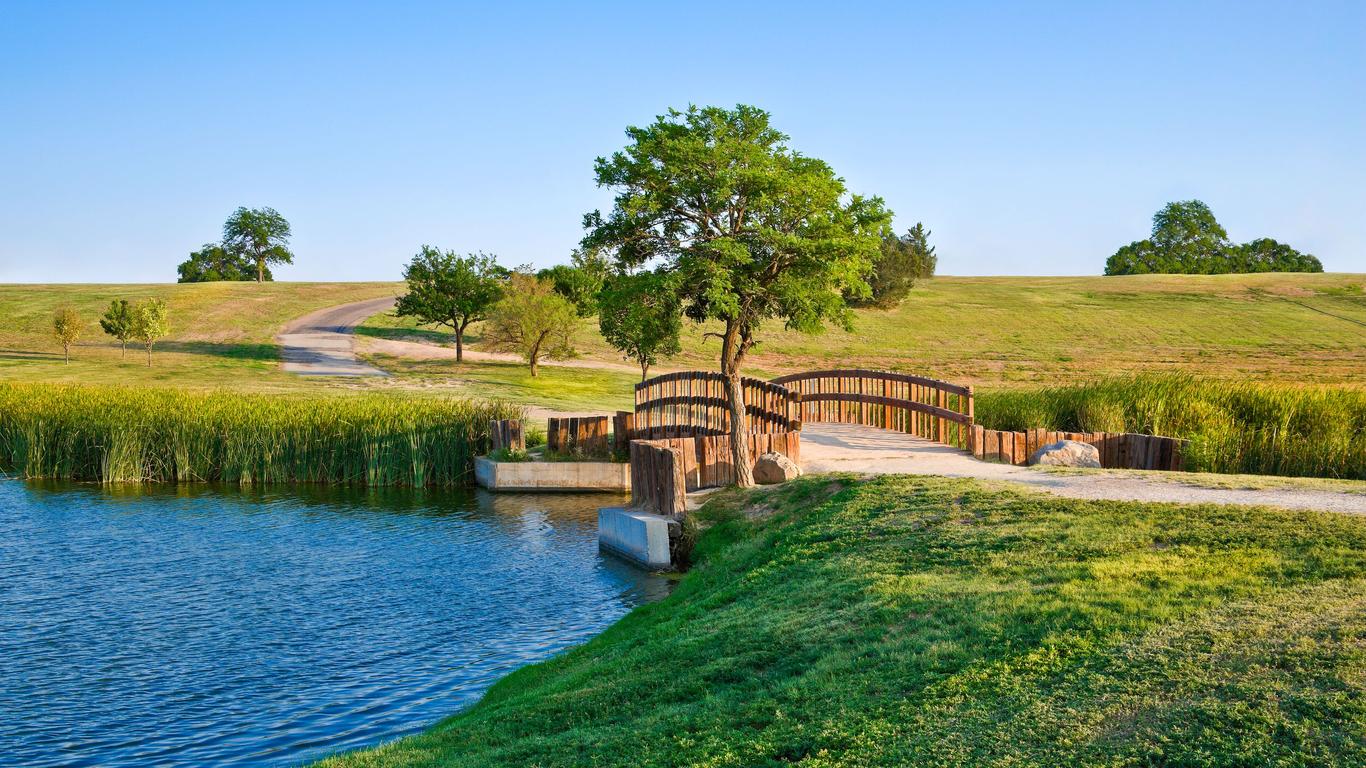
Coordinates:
x,y
150,323
447,289
213,262
639,315
900,263
118,322
1267,255
261,235
532,320
1187,239
66,327
746,229
581,280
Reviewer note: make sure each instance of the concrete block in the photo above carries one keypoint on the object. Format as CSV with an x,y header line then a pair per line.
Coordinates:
x,y
640,537
552,475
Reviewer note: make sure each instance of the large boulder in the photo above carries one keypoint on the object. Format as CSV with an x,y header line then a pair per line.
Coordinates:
x,y
772,468
1067,453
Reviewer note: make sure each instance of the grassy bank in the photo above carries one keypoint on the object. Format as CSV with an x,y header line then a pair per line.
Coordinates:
x,y
936,622
120,434
1235,427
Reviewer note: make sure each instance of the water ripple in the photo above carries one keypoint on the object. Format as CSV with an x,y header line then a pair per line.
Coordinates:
x,y
175,627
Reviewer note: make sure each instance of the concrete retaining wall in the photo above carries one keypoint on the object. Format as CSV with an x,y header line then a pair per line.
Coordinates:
x,y
640,537
552,475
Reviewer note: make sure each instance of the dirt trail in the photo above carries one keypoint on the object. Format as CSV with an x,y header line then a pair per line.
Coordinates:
x,y
868,450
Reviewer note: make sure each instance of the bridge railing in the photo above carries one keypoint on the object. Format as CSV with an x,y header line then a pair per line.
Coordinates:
x,y
695,403
929,408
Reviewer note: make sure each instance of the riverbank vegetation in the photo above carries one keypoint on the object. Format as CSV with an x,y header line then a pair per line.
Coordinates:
x,y
931,621
121,434
1234,427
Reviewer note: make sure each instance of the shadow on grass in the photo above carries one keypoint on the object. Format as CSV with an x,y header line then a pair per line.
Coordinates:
x,y
233,351
425,335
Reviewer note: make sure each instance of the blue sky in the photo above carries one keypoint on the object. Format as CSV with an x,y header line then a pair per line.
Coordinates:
x,y
1031,138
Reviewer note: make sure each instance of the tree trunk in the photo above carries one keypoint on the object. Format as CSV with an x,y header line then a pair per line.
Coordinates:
x,y
123,349
260,270
732,352
459,343
66,353
644,370
149,355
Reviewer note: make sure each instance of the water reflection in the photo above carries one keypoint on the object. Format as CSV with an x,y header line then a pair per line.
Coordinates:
x,y
194,625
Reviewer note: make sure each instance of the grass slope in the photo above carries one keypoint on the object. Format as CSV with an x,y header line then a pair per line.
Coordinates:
x,y
222,334
936,622
1026,331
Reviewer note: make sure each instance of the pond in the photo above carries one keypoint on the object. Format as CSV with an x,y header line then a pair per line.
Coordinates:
x,y
178,627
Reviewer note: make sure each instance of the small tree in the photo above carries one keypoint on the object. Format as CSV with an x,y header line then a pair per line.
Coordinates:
x,y
581,280
747,229
66,327
533,320
639,315
118,322
451,290
260,235
901,261
150,323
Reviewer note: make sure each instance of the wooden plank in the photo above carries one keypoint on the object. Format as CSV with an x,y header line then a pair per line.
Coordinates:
x,y
1021,456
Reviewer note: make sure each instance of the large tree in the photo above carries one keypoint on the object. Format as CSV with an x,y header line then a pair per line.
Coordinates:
x,y
580,280
445,288
533,320
639,316
1187,239
213,262
746,228
117,321
260,235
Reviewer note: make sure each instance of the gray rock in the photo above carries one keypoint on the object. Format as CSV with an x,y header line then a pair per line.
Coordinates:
x,y
772,468
1067,453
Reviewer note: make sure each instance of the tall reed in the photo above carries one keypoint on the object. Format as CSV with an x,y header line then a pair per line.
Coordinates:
x,y
1271,429
118,434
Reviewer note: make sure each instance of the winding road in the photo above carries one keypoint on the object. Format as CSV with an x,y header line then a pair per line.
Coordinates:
x,y
322,343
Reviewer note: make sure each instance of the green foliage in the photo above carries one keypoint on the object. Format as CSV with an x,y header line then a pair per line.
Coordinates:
x,y
581,280
510,455
213,263
124,434
1186,239
66,328
1268,429
908,621
745,228
117,321
900,263
532,320
447,289
149,322
639,316
260,236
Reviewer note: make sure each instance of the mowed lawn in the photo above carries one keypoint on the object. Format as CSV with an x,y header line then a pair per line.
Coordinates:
x,y
994,332
936,622
222,334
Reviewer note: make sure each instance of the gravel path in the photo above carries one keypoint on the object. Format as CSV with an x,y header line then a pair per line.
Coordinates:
x,y
323,343
868,450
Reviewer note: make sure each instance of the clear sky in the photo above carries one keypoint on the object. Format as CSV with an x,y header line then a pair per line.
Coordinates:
x,y
1031,138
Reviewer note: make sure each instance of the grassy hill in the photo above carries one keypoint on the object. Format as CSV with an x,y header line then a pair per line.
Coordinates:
x,y
1027,331
936,622
995,332
222,334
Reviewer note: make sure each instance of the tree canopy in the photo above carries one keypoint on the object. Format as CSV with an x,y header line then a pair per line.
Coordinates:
x,y
150,323
260,235
581,280
1187,239
445,288
213,262
117,321
639,316
900,262
66,328
532,320
746,229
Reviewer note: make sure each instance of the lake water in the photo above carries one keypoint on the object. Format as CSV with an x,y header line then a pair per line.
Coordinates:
x,y
175,627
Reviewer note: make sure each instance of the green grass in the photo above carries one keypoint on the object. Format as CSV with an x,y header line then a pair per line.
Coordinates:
x,y
222,334
119,434
556,388
935,622
1234,427
1009,332
1228,481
